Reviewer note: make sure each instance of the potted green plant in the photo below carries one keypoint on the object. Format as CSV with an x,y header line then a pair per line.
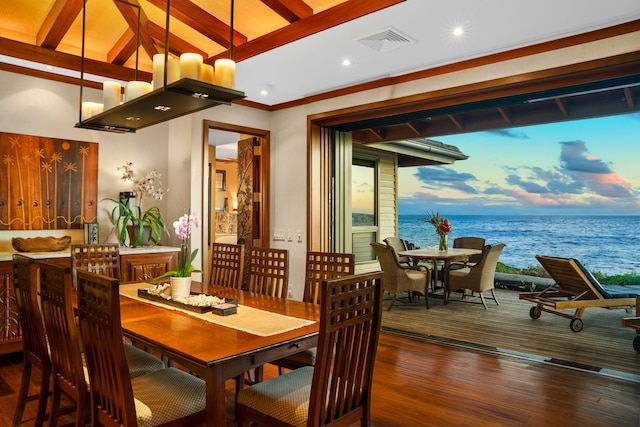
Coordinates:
x,y
143,227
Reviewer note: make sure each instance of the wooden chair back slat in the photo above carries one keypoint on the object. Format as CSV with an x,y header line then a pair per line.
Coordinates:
x,y
269,271
64,342
227,265
349,330
101,259
34,340
570,277
324,266
99,312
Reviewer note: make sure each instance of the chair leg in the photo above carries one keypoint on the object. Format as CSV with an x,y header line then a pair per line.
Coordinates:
x,y
484,303
493,292
55,406
23,393
392,302
42,399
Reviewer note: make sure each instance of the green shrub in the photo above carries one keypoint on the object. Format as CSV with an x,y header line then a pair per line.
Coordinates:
x,y
539,271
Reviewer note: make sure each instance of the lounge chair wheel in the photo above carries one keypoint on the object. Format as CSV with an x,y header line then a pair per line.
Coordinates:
x,y
535,313
576,325
636,343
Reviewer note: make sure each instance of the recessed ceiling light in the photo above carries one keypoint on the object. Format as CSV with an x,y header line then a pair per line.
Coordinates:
x,y
458,31
346,62
264,92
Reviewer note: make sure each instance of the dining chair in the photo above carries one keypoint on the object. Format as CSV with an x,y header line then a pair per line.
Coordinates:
x,y
227,265
320,266
470,242
64,343
169,397
399,245
268,275
268,271
337,391
398,279
35,350
477,278
99,258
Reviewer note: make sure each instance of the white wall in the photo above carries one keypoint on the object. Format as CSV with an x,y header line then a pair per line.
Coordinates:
x,y
45,108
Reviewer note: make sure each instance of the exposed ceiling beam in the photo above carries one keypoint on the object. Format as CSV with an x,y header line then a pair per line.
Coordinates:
x,y
130,14
202,21
123,49
628,97
58,22
562,106
504,112
415,127
339,14
291,10
177,46
456,121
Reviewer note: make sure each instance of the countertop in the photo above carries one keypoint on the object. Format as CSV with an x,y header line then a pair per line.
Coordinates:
x,y
7,255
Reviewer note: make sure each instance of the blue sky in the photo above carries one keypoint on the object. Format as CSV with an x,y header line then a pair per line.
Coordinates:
x,y
584,167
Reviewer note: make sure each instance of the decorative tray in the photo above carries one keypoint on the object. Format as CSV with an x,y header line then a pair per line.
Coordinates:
x,y
142,293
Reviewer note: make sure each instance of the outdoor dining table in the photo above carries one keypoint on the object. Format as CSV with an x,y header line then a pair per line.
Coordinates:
x,y
435,255
215,347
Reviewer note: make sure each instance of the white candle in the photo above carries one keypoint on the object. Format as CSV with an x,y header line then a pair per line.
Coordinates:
x,y
96,108
225,73
173,70
190,65
111,94
206,73
173,75
86,110
136,89
158,70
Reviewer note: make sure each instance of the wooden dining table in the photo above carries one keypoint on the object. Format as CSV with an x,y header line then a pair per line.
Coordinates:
x,y
435,255
216,352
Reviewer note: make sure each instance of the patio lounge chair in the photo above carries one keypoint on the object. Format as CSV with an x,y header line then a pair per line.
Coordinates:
x,y
575,288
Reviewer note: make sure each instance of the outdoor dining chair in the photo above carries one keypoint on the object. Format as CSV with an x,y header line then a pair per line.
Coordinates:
x,y
398,279
477,278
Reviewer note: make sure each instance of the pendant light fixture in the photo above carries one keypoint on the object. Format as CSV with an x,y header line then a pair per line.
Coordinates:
x,y
179,94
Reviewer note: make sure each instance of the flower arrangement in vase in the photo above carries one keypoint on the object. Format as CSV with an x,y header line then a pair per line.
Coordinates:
x,y
140,225
181,277
443,229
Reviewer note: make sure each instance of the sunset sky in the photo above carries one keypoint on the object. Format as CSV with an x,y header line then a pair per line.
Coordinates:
x,y
584,167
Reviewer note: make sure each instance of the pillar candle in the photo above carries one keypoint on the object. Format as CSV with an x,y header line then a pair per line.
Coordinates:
x,y
225,73
96,108
86,110
173,75
173,70
158,70
206,73
111,94
190,65
136,89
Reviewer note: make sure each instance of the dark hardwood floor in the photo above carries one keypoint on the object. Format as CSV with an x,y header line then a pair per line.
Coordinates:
x,y
418,383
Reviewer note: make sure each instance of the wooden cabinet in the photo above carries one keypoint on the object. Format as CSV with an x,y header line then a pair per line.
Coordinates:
x,y
144,267
10,334
135,264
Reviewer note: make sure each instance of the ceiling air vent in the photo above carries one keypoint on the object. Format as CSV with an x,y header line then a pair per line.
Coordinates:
x,y
385,40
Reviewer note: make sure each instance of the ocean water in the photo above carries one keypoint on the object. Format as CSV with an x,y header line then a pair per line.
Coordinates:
x,y
608,244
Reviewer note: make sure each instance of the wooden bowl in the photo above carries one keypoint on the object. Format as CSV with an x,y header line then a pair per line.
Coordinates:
x,y
41,244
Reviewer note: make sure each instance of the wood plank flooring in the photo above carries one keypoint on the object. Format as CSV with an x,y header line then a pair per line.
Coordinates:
x,y
419,383
603,344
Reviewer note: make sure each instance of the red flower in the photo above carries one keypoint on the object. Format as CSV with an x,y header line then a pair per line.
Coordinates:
x,y
442,225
